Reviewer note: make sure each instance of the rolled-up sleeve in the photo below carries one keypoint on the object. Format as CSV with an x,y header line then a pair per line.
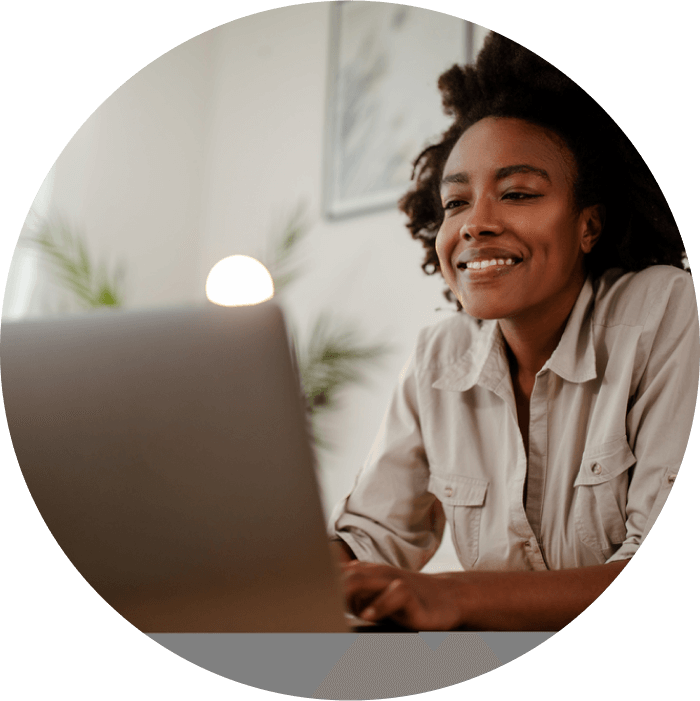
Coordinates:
x,y
661,410
390,517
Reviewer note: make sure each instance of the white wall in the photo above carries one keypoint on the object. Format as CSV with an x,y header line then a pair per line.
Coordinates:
x,y
201,155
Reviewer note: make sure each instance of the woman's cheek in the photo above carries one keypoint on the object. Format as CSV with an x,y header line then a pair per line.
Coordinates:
x,y
441,248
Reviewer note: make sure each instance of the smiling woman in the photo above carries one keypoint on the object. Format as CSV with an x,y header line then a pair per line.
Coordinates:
x,y
545,422
507,196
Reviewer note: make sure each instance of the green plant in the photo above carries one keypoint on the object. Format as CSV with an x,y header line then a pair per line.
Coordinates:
x,y
280,259
68,256
335,356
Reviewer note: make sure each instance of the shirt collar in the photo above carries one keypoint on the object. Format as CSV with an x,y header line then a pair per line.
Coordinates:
x,y
485,362
574,358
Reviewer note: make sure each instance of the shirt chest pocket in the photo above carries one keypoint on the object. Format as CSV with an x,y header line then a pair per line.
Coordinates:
x,y
462,500
600,498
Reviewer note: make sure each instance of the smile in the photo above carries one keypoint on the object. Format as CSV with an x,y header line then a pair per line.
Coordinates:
x,y
481,264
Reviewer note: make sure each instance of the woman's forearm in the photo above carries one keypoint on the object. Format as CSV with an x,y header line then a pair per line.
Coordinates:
x,y
546,600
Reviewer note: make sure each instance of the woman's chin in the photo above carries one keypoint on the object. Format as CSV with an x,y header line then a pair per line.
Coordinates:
x,y
485,310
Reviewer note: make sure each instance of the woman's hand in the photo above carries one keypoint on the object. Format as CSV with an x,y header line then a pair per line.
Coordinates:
x,y
475,600
412,599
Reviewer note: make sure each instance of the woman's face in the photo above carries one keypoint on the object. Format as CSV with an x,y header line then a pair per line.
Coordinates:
x,y
512,242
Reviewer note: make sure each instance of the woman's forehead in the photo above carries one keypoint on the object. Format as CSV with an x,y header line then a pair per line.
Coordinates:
x,y
497,143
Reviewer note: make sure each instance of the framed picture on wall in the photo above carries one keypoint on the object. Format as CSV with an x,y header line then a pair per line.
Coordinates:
x,y
383,103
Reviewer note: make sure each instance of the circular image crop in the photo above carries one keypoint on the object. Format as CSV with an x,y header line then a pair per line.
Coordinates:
x,y
350,350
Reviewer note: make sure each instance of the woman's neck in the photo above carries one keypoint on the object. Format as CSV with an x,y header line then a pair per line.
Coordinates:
x,y
532,337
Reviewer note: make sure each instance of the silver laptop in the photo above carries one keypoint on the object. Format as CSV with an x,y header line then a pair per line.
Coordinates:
x,y
168,453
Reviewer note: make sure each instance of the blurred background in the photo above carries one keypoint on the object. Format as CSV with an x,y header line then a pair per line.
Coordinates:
x,y
286,136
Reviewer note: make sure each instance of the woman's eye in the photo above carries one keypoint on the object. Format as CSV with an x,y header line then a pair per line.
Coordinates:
x,y
452,204
519,196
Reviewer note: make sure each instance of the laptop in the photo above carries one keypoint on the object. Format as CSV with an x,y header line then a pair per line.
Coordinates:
x,y
169,455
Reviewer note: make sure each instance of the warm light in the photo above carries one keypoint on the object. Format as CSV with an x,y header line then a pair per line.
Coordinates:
x,y
239,281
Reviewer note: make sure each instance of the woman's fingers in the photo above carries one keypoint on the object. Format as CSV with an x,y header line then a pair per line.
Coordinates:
x,y
376,592
362,584
413,599
395,601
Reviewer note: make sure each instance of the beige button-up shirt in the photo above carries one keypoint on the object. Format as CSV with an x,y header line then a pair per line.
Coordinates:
x,y
610,418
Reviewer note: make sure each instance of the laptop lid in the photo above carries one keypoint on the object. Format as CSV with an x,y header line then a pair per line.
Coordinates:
x,y
168,453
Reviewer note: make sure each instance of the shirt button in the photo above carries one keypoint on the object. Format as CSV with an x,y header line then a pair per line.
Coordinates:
x,y
671,479
448,491
596,469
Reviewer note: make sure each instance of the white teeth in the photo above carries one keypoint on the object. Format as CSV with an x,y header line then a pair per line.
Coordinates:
x,y
481,264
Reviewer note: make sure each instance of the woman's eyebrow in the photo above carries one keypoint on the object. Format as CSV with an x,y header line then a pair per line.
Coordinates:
x,y
504,172
462,178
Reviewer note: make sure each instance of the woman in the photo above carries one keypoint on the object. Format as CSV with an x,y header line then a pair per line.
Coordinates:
x,y
546,421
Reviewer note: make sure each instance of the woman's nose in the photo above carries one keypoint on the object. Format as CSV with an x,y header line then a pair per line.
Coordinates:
x,y
482,220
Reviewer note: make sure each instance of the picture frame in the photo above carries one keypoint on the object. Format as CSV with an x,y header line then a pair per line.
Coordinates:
x,y
383,104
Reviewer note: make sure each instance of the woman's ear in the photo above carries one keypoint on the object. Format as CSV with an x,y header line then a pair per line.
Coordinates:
x,y
593,220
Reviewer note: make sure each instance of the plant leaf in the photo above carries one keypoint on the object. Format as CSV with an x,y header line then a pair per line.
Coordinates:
x,y
73,269
335,357
280,261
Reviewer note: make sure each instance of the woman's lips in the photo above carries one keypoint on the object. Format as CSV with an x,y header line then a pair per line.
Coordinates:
x,y
488,269
484,257
485,263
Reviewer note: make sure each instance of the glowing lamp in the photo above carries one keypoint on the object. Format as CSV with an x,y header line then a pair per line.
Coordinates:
x,y
239,281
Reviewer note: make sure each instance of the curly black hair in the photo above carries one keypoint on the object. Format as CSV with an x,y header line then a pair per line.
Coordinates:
x,y
508,80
